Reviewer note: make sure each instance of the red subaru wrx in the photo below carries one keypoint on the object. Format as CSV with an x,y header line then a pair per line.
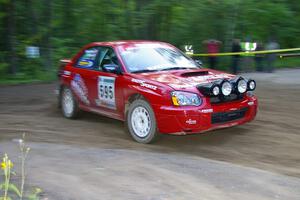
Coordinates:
x,y
155,88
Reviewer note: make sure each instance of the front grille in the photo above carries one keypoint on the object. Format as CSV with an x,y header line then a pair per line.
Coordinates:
x,y
223,117
223,99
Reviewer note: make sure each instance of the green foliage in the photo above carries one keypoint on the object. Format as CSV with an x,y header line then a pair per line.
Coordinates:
x,y
61,27
6,198
11,188
287,62
35,194
3,70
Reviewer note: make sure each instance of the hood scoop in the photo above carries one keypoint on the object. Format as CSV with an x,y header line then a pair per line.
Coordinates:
x,y
198,73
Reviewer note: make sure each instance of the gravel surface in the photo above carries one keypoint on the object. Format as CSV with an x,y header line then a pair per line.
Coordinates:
x,y
94,158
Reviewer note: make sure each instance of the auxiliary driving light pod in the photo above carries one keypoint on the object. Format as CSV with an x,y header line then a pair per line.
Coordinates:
x,y
251,85
241,85
226,88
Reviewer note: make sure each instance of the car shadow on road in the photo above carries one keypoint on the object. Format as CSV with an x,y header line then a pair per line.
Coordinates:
x,y
215,137
184,144
115,132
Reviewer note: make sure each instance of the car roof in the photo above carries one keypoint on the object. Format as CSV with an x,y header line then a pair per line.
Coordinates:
x,y
125,43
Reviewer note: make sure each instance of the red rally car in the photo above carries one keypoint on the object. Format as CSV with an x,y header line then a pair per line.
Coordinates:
x,y
155,88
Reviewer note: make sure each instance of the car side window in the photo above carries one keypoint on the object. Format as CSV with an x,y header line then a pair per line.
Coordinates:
x,y
106,56
110,58
88,58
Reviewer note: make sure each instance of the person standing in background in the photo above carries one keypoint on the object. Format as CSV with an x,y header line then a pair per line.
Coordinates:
x,y
236,47
259,58
212,47
271,57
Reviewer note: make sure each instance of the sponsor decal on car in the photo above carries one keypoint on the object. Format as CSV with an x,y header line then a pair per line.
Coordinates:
x,y
80,89
250,103
191,122
67,73
86,63
209,110
91,53
144,84
88,58
106,92
177,86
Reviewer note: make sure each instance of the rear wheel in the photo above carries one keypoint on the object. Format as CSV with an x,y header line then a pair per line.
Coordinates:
x,y
141,122
69,104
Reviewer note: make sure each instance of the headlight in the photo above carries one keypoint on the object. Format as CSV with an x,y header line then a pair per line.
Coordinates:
x,y
209,89
251,85
185,99
241,85
226,88
216,90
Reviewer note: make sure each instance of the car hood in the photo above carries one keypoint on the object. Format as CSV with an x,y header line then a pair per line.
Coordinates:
x,y
181,79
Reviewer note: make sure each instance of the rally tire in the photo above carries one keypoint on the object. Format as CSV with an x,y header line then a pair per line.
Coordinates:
x,y
69,104
141,122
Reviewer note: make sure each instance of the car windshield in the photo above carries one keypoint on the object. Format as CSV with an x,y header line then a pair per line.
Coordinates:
x,y
149,57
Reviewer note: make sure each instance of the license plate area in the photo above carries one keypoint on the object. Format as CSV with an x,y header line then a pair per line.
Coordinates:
x,y
223,117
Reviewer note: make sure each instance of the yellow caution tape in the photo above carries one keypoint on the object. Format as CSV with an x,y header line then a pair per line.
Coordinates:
x,y
244,53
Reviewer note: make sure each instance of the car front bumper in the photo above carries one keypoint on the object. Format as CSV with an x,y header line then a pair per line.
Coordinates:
x,y
190,119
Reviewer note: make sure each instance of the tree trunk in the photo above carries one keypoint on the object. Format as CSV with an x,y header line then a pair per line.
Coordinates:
x,y
130,32
46,40
11,37
67,20
31,23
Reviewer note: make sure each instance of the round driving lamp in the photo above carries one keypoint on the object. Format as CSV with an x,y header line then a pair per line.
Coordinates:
x,y
251,85
241,85
226,88
215,90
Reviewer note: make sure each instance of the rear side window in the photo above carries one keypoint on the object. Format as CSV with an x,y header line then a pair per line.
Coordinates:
x,y
88,58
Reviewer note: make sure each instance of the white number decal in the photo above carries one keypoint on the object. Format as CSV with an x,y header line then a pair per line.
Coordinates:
x,y
106,92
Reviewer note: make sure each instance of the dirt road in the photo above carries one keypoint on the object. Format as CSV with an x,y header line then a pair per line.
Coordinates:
x,y
93,157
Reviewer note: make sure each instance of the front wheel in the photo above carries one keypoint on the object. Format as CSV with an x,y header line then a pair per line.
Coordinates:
x,y
141,122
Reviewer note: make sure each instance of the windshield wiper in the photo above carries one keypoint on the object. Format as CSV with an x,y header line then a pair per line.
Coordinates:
x,y
144,71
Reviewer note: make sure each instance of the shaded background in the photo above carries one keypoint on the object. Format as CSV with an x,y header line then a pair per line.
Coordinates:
x,y
61,27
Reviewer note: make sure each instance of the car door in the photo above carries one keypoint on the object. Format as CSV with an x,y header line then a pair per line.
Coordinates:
x,y
106,93
82,76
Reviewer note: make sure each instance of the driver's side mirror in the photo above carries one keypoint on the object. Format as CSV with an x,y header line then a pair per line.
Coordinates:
x,y
112,68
